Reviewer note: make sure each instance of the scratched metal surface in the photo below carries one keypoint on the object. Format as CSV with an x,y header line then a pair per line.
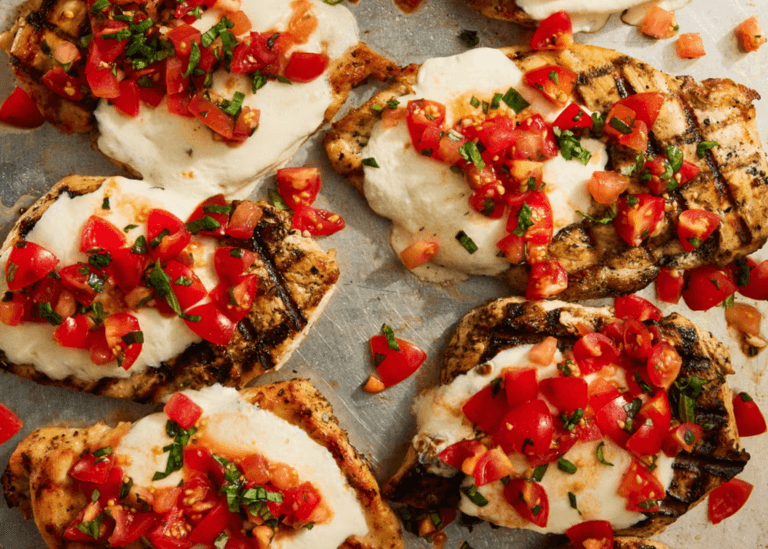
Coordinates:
x,y
374,288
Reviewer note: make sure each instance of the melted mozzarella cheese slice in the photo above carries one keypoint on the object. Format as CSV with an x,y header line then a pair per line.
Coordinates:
x,y
174,151
232,422
441,423
59,231
591,15
427,201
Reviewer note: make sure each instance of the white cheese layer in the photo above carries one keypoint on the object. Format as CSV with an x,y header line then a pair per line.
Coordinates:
x,y
174,151
239,425
441,423
59,231
427,201
591,15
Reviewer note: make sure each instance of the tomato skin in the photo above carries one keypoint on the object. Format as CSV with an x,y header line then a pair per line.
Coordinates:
x,y
492,465
116,327
229,266
525,496
20,110
557,92
757,288
605,187
92,469
12,312
648,438
316,221
664,365
418,253
166,534
553,33
236,299
420,115
690,46
684,436
127,268
695,226
298,185
594,351
659,23
565,393
187,295
100,234
531,421
128,101
129,526
639,485
214,202
305,67
213,326
634,223
486,408
727,499
520,385
183,410
27,263
541,230
455,454
63,84
10,424
253,53
73,332
707,286
395,366
546,278
169,245
645,105
669,285
244,219
749,418
633,306
600,530
212,115
750,35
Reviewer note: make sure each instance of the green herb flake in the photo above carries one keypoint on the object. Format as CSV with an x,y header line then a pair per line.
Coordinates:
x,y
46,311
105,203
675,157
570,146
175,450
496,387
370,162
600,455
194,59
474,496
524,220
92,528
704,146
217,209
470,38
554,77
474,101
377,108
140,246
390,335
514,100
566,466
538,472
572,500
161,283
205,223
608,216
467,242
258,81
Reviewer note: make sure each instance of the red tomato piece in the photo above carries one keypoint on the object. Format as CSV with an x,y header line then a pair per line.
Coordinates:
x,y
648,438
633,306
520,386
605,187
546,278
129,526
690,46
567,394
553,33
300,502
12,311
610,418
183,410
217,209
528,428
555,83
727,499
305,67
642,489
99,350
316,221
749,418
695,226
458,452
664,365
637,138
707,286
20,110
422,114
659,23
124,337
487,200
127,268
487,408
750,34
600,393
594,351
419,253
128,101
529,500
235,299
63,84
10,424
178,104
98,73
620,120
669,285
182,37
254,53
752,279
513,247
27,263
492,465
88,514
497,134
99,234
210,323
600,531
167,235
93,469
637,340
395,366
212,115
73,332
298,185
532,212
175,81
684,436
638,216
171,533
231,262
244,219
574,118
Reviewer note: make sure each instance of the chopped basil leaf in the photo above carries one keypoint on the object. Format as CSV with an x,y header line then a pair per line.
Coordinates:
x,y
687,409
729,302
100,5
704,146
333,2
454,136
105,203
105,451
514,100
137,336
161,283
599,454
175,449
488,206
221,540
467,242
277,200
495,387
745,397
572,500
393,103
566,466
641,382
573,420
272,39
194,59
742,273
98,315
523,220
554,77
101,260
370,162
535,510
486,106
675,157
632,200
618,124
92,528
377,108
475,102
378,358
496,101
258,82
46,311
140,246
570,146
649,504
217,209
125,488
123,34
598,121
474,496
159,238
610,215
435,518
205,223
390,335
470,38
234,106
426,152
538,472
209,36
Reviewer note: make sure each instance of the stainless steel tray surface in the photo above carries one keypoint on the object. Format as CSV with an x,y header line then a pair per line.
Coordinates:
x,y
374,288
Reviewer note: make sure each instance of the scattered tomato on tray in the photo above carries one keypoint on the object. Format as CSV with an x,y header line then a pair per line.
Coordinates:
x,y
395,359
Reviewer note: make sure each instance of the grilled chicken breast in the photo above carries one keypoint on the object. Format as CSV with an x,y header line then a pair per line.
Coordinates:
x,y
507,323
733,181
36,480
295,279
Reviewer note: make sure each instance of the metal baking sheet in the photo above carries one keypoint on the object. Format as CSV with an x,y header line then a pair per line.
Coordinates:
x,y
374,287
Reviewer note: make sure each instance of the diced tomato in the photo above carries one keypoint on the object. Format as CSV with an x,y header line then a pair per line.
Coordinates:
x,y
254,53
529,500
707,286
497,134
419,253
664,365
695,226
128,101
487,200
755,276
12,310
684,436
553,33
610,417
555,83
171,533
230,262
316,221
175,81
213,325
217,209
395,366
746,319
449,147
83,281
457,453
10,424
108,46
129,526
183,410
690,46
299,502
246,123
108,490
235,299
521,386
184,6
178,103
212,115
127,268
487,407
599,533
659,23
492,465
182,37
92,468
20,110
422,114
600,393
669,285
605,187
642,489
633,306
298,185
648,438
750,34
688,171
244,220
749,418
100,234
533,212
574,118
73,332
27,263
543,352
638,216
645,105
637,138
102,82
98,348
305,67
527,429
727,499
656,408
89,513
567,394
593,352
242,23
167,235
124,337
